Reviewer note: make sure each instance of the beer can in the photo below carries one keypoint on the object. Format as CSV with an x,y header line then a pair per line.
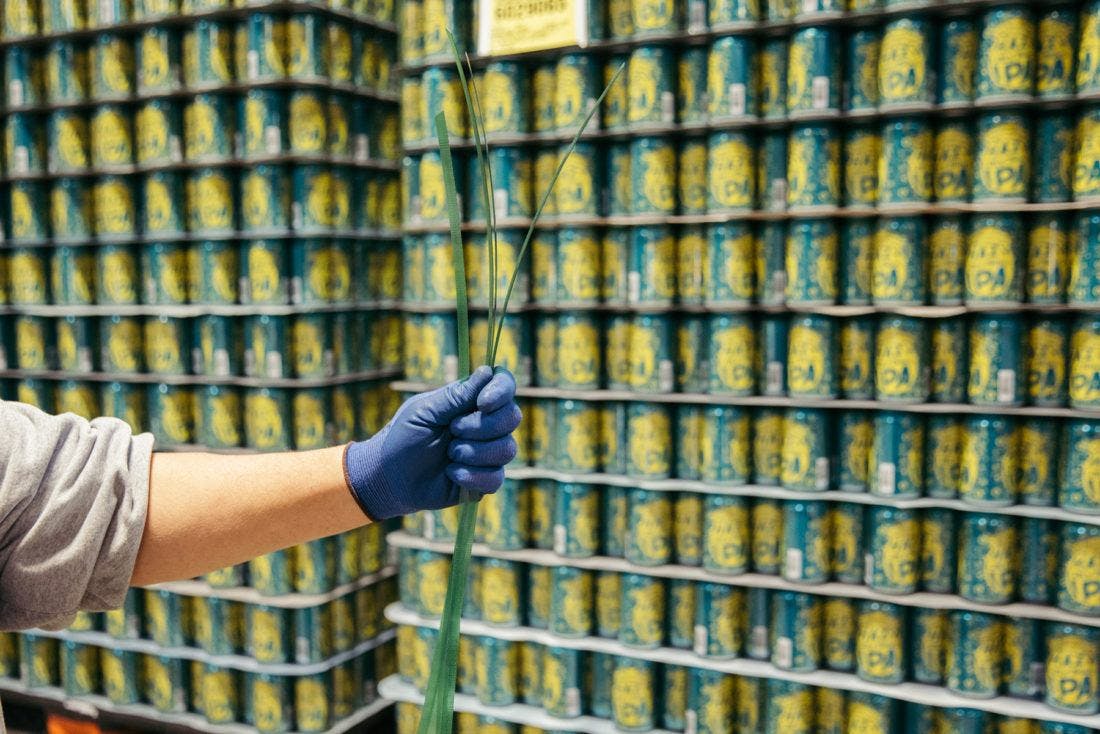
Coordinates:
x,y
576,520
732,361
881,642
162,204
79,668
576,80
813,80
905,77
813,167
35,345
771,354
688,528
731,158
897,455
265,343
119,675
76,344
64,77
712,693
772,170
811,357
892,558
691,90
308,410
649,529
1083,285
767,446
29,276
949,378
1047,255
167,345
946,260
856,439
314,564
731,71
267,423
111,136
1070,669
211,204
503,98
649,84
796,632
72,276
217,348
562,675
976,652
862,150
158,55
806,542
989,461
862,53
772,71
311,345
725,446
608,603
613,510
839,634
719,621
217,625
1002,165
1078,587
649,429
898,275
681,613
502,592
730,256
577,265
1024,656
1006,55
692,266
996,362
954,161
268,633
158,134
642,621
857,354
770,263
907,166
576,437
988,558
958,49
727,546
112,67
28,211
1084,373
1053,157
1046,360
265,199
497,670
320,271
25,143
1038,560
928,631
1079,490
262,116
811,257
902,371
938,550
116,208
806,454
120,341
652,266
571,601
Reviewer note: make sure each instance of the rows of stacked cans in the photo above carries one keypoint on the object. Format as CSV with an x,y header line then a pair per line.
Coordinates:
x,y
270,634
974,654
759,212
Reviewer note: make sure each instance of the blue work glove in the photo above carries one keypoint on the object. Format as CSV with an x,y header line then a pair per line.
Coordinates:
x,y
438,444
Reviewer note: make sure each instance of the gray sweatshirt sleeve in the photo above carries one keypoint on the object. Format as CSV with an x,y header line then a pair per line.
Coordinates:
x,y
73,498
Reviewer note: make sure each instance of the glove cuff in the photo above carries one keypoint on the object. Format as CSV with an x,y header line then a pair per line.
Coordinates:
x,y
366,480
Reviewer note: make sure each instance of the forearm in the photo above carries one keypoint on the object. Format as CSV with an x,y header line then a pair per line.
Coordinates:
x,y
208,511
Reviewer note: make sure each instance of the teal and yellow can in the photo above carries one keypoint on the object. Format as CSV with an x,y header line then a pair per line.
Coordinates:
x,y
321,199
725,445
732,360
974,666
109,13
902,369
112,67
642,609
692,371
771,354
119,675
989,461
116,208
845,527
1088,52
928,634
731,74
954,162
29,275
988,558
649,85
208,127
1039,441
25,143
881,642
1084,369
211,201
958,49
1047,360
813,167
806,453
996,361
269,633
812,369
994,260
1023,656
219,417
946,260
564,666
1002,165
120,342
315,567
856,439
896,466
811,254
1047,273
772,170
158,55
309,408
221,694
621,185
688,528
579,352
268,702
1080,489
1038,560
125,401
649,440
572,601
796,632
311,345
35,346
320,271
892,560
496,670
163,204
576,520
732,14
719,621
158,133
171,413
503,98
768,426
907,166
862,54
61,75
682,606
546,351
806,541
576,87
306,57
862,151
857,357
938,550
512,195
1053,157
674,685
38,393
692,266
72,276
772,66
1006,54
711,692
813,79
217,625
577,193
898,273
218,349
30,220
906,61
267,419
691,91
262,119
727,547
577,265
77,348
502,592
1073,652
167,341
1078,580
539,597
1084,283
649,529
265,199
79,398
731,172
613,509
731,259
652,173
839,633
759,604
79,668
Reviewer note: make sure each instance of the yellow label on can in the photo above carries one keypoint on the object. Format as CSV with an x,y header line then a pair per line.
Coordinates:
x,y
1084,379
807,360
900,542
1071,670
1010,41
902,63
990,262
897,362
727,537
1003,159
731,174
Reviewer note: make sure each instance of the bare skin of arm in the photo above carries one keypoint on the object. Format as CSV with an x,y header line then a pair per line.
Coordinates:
x,y
209,511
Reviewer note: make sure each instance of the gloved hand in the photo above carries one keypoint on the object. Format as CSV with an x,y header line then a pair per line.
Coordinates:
x,y
439,443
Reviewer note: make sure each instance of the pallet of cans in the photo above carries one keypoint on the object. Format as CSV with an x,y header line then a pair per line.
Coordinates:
x,y
640,695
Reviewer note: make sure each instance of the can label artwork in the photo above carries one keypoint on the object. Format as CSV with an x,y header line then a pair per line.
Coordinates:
x,y
725,448
862,150
649,84
1003,162
726,542
265,199
732,363
1047,350
1081,487
731,172
996,361
901,360
863,52
805,454
158,54
653,175
813,167
719,621
158,131
731,68
171,413
806,542
795,636
811,357
892,561
938,550
577,265
946,260
905,63
691,77
211,201
112,66
954,145
813,79
897,455
579,363
1073,652
857,353
898,275
571,601
856,437
1084,372
167,345
988,463
810,262
974,666
993,259
650,444
1006,58
987,558
772,65
642,611
25,144
881,643
1053,157
958,61
28,210
649,528
576,520
907,166
838,633
1078,589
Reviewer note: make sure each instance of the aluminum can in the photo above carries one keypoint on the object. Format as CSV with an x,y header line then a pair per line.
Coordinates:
x,y
897,455
954,161
907,167
1084,373
811,255
579,363
171,413
958,61
576,77
772,65
649,428
881,642
1084,285
856,357
502,592
692,271
72,276
167,343
691,179
976,643
806,452
649,84
653,17
79,398
112,67
542,419
946,260
813,80
938,550
813,168
1078,588
726,542
906,62
34,343
25,143
687,528
29,276
1002,166
796,632
988,461
811,357
608,603
211,204
263,120
892,559
643,611
691,362
1053,157
759,603
898,275
732,362
1023,645
307,59
1073,652
675,696
767,448
1038,560
1006,56
496,670
571,601
771,354
902,371
651,270
1046,360
691,94
311,345
731,69
771,170
577,193
856,439
308,411
60,75
928,630
76,344
576,520
265,343
158,134
79,668
267,419
649,528
731,277
711,698
996,362
116,208
995,251
577,266
839,633
265,199
120,341
217,349
503,98
732,13
119,673
719,621
1079,489
28,211
730,183
862,151
806,541
988,558
862,54
1047,258
158,55
162,204
770,263
320,271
